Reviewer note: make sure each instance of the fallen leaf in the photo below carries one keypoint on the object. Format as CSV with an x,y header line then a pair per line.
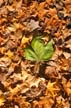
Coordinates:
x,y
9,54
2,100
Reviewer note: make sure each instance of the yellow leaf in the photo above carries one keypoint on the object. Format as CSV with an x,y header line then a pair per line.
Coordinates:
x,y
24,40
9,54
51,88
12,28
2,100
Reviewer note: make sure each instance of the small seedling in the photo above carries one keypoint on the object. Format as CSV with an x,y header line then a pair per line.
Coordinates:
x,y
38,51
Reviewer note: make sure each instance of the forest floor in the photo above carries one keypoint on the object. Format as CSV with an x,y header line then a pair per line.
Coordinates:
x,y
20,85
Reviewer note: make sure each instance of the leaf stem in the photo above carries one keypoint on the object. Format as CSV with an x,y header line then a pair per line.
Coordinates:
x,y
37,67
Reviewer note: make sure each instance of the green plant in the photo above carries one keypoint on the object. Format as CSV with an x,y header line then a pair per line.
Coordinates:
x,y
38,51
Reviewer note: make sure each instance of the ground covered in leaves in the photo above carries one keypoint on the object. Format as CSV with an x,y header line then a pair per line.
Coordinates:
x,y
20,85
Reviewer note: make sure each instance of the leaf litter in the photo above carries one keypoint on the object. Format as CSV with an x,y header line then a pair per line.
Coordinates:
x,y
24,83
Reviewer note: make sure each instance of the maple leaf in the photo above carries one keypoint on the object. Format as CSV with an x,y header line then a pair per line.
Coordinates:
x,y
51,88
9,54
38,51
24,40
33,25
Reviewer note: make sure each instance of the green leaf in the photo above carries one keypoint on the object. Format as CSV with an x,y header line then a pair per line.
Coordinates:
x,y
49,50
38,51
30,55
38,46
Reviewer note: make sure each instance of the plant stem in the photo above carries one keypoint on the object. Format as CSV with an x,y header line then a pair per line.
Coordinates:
x,y
37,67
